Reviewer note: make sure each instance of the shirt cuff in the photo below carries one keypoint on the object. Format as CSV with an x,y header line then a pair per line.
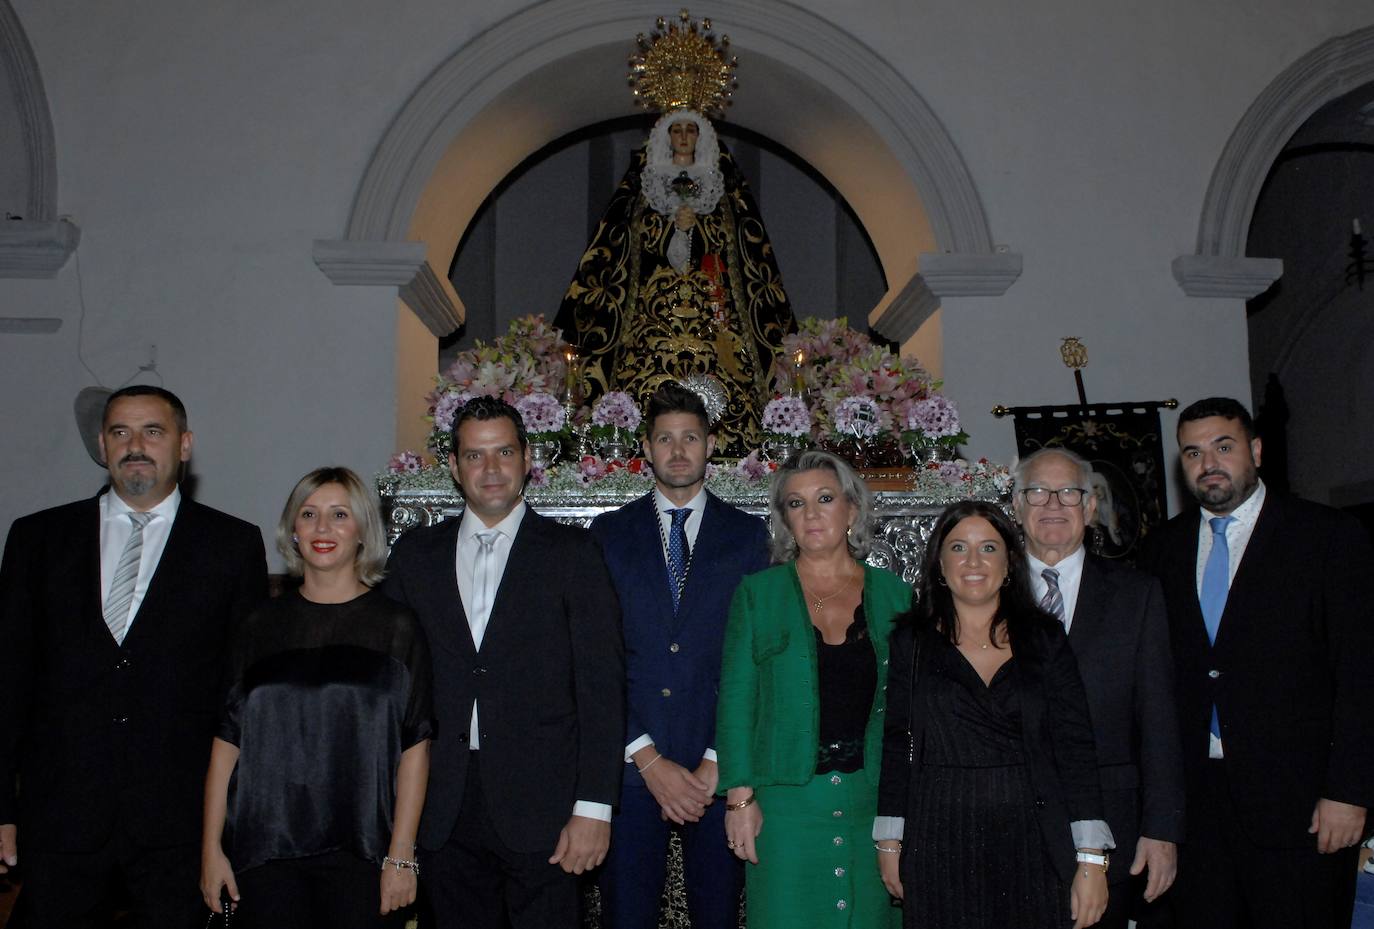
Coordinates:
x,y
1092,833
641,742
709,755
590,810
888,827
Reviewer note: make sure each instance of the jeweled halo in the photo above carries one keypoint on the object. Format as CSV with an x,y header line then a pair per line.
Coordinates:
x,y
683,65
711,391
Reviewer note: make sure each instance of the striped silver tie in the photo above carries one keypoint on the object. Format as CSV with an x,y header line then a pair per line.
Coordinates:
x,y
1053,601
125,579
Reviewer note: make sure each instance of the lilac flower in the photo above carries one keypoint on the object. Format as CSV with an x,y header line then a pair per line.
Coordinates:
x,y
935,416
787,416
616,408
860,417
751,468
541,412
447,407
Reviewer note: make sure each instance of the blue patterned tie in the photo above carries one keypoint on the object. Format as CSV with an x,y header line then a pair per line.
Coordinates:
x,y
1216,584
678,552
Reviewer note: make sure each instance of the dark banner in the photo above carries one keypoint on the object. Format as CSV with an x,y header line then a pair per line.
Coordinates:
x,y
1122,442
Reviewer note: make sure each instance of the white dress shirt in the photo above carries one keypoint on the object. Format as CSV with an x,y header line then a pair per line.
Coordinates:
x,y
692,527
1237,538
464,561
115,529
1070,570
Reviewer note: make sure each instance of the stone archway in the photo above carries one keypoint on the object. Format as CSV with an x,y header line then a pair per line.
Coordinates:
x,y
559,65
1219,268
38,245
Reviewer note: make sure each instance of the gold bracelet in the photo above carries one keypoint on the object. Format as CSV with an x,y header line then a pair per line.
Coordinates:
x,y
736,807
650,764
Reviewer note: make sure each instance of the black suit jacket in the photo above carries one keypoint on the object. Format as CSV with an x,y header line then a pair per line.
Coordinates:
x,y
1290,669
1120,636
549,679
1056,733
108,736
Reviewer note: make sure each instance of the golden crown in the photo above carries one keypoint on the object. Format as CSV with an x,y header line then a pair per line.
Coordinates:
x,y
683,65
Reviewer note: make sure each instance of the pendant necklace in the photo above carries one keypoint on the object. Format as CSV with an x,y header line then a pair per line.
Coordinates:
x,y
818,602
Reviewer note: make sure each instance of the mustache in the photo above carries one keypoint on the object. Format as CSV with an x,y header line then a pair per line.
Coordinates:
x,y
136,457
1214,472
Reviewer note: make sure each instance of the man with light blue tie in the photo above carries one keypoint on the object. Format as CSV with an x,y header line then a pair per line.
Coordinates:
x,y
1273,643
675,556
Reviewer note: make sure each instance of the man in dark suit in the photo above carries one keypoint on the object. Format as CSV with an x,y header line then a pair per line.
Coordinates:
x,y
529,676
1273,644
115,615
1120,635
675,556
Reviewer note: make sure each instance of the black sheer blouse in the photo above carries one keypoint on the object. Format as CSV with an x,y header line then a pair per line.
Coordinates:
x,y
324,697
847,679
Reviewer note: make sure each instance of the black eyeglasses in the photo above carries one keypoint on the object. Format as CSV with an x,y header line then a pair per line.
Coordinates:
x,y
1040,496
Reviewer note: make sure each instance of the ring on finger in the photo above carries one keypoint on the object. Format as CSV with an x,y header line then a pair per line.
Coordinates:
x,y
731,843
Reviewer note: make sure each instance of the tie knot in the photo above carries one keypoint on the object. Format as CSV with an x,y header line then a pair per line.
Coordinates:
x,y
680,516
1051,576
1219,524
487,539
140,519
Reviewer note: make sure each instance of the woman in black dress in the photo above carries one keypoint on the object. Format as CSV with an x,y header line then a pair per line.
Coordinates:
x,y
318,774
989,775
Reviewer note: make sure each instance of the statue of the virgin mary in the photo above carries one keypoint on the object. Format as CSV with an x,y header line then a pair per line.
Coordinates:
x,y
679,281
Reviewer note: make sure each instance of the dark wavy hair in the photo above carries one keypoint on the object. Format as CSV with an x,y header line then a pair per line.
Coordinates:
x,y
1224,407
482,409
934,608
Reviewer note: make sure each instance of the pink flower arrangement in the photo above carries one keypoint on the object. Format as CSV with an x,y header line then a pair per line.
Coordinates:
x,y
542,414
616,408
930,420
860,417
407,462
787,416
529,358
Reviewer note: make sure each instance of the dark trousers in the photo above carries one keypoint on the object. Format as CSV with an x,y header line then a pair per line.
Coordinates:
x,y
337,890
476,882
636,867
1226,881
79,890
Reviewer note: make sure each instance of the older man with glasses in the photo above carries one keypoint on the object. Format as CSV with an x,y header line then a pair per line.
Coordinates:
x,y
1119,633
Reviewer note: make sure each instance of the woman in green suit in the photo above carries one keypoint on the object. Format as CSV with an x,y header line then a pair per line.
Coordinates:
x,y
800,718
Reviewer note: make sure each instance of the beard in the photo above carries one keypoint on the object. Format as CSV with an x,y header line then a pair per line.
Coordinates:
x,y
1226,496
137,483
681,478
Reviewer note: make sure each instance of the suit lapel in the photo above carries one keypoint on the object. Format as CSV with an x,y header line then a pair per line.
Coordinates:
x,y
1095,591
86,538
1255,559
704,554
170,565
439,574
525,550
1185,569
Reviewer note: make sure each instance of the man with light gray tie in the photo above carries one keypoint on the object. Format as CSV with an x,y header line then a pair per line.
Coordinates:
x,y
529,691
1120,636
115,616
1273,643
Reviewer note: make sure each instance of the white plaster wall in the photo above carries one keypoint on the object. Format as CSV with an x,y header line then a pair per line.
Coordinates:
x,y
201,148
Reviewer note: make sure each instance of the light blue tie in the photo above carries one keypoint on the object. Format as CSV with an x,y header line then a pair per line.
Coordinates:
x,y
678,552
1216,585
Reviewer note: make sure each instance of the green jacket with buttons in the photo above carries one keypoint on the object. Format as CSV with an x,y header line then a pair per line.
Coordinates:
x,y
768,713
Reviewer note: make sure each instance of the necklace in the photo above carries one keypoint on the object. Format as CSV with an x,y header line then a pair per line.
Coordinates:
x,y
818,602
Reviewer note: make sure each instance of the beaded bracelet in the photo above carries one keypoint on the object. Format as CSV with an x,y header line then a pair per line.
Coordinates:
x,y
888,851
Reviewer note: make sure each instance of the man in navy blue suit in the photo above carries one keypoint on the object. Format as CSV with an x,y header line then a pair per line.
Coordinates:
x,y
675,557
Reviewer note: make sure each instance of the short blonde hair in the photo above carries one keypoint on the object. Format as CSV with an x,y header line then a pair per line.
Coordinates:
x,y
371,558
860,538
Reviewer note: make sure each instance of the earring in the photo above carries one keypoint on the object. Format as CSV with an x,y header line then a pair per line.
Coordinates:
x,y
941,581
1006,580
295,539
